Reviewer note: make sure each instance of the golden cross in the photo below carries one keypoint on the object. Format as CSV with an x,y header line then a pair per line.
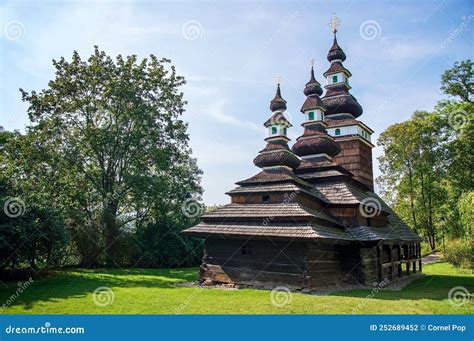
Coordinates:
x,y
335,22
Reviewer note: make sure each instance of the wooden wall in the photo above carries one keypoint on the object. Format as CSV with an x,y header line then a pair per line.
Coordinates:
x,y
268,264
297,265
328,264
356,157
292,264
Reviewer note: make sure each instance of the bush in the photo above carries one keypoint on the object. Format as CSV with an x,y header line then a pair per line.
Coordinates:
x,y
460,253
36,239
162,245
426,249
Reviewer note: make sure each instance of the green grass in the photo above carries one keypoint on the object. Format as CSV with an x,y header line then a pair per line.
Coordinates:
x,y
154,291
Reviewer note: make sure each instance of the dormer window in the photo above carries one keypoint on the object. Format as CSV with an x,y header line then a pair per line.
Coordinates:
x,y
337,132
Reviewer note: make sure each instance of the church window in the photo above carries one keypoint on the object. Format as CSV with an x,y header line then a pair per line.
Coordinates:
x,y
284,131
311,115
265,199
334,79
274,130
338,131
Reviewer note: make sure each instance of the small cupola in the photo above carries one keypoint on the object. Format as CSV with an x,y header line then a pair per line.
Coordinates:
x,y
277,125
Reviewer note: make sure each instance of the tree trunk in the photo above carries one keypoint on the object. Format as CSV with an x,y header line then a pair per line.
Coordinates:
x,y
412,204
432,242
112,232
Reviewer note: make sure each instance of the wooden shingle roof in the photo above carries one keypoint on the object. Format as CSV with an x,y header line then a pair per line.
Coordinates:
x,y
390,233
304,231
277,187
341,193
274,211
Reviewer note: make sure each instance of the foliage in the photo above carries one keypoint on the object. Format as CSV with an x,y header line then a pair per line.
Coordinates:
x,y
459,81
161,291
425,249
35,239
460,253
107,150
412,168
427,163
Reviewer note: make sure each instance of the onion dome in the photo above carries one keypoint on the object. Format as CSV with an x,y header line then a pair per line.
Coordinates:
x,y
315,141
313,87
338,101
344,104
278,103
335,52
277,153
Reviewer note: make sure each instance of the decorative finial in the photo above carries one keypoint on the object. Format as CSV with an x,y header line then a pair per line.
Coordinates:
x,y
278,80
335,22
311,62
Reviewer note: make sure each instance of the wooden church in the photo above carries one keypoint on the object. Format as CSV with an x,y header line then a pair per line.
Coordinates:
x,y
310,219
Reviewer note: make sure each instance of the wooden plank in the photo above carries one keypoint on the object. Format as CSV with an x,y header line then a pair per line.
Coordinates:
x,y
258,265
323,265
226,274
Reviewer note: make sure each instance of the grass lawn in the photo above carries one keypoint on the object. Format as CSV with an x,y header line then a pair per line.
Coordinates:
x,y
154,291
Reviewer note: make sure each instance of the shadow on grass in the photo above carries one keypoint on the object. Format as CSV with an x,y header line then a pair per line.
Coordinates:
x,y
431,287
82,282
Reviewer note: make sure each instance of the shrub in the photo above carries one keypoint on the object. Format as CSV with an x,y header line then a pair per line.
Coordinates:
x,y
426,249
460,253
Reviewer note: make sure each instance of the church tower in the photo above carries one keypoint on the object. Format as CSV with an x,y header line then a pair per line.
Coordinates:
x,y
315,143
342,111
277,154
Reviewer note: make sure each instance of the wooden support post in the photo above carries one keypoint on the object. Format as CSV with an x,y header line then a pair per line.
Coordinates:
x,y
379,264
399,259
408,259
419,256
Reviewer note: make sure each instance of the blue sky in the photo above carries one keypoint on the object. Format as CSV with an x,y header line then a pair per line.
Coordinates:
x,y
231,52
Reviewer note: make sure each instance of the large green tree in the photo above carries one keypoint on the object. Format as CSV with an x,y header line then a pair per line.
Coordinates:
x,y
413,167
109,133
459,81
427,162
